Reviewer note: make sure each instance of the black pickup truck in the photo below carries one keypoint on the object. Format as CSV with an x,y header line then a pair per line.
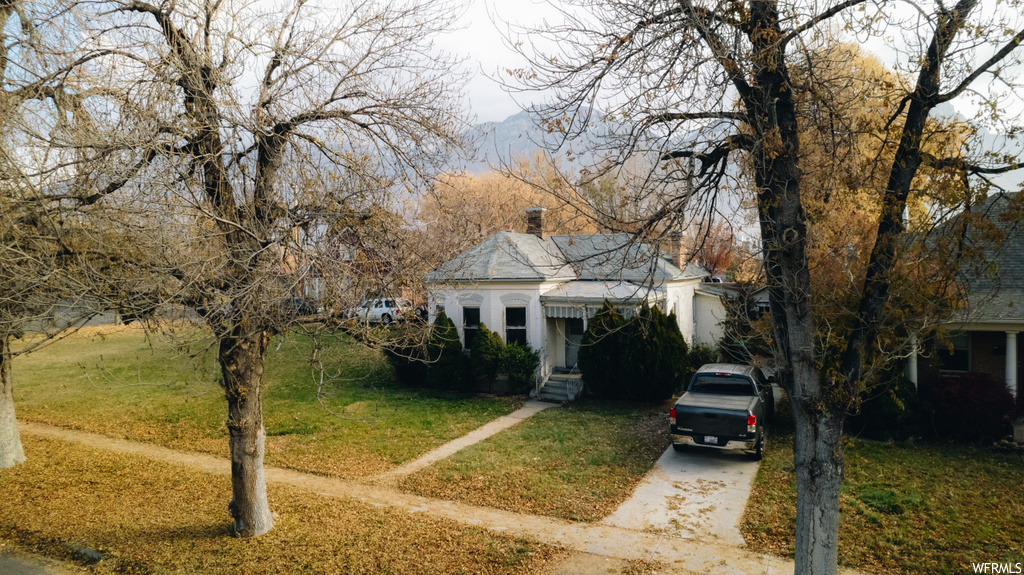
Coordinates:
x,y
725,406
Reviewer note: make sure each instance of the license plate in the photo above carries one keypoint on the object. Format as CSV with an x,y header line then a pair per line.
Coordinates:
x,y
711,439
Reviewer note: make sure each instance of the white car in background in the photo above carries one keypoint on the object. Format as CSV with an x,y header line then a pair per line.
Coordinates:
x,y
381,310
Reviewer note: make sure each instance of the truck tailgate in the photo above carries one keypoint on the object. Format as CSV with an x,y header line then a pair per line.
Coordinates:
x,y
712,414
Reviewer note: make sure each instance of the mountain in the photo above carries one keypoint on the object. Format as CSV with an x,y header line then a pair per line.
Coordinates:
x,y
519,136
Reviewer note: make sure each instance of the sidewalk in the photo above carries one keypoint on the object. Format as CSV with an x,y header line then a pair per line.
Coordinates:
x,y
529,409
16,562
604,540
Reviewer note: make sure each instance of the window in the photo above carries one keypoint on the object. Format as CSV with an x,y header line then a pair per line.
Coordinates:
x,y
722,385
960,358
575,326
470,325
515,325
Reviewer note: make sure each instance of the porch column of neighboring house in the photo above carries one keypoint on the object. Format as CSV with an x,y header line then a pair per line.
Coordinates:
x,y
1011,362
912,361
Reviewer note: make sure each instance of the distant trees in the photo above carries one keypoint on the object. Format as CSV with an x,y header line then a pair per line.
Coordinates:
x,y
713,245
461,210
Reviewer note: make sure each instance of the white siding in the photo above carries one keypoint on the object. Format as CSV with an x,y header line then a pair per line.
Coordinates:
x,y
679,297
493,298
709,313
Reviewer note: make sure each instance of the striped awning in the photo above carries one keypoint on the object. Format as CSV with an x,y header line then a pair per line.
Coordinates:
x,y
589,311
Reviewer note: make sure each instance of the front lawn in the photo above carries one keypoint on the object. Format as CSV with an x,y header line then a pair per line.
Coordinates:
x,y
113,380
72,502
905,508
578,462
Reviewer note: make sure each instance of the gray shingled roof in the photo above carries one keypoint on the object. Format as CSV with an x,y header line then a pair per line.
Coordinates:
x,y
506,256
618,257
999,296
594,257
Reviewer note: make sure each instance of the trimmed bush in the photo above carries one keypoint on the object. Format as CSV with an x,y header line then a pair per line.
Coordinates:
x,y
599,356
448,367
485,357
644,358
408,355
659,356
972,408
519,363
699,355
893,412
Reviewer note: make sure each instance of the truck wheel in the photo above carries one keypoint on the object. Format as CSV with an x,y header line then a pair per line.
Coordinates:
x,y
680,447
758,450
385,319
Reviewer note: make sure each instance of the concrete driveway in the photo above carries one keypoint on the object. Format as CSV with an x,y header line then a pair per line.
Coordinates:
x,y
696,494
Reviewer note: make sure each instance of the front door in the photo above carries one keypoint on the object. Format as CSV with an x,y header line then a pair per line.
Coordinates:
x,y
573,337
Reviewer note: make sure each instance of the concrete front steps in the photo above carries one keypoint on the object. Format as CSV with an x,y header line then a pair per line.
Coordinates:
x,y
560,387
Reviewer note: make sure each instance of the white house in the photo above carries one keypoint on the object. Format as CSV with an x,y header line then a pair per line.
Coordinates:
x,y
542,290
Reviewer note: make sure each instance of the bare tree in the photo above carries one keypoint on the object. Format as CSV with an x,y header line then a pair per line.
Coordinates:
x,y
42,283
718,81
235,141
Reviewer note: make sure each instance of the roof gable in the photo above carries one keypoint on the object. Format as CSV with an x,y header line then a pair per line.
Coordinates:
x,y
505,256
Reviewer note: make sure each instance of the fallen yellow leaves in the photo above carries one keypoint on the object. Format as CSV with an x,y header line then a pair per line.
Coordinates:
x,y
143,517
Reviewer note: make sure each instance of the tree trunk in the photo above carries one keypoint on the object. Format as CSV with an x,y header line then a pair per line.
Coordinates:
x,y
11,452
241,359
818,458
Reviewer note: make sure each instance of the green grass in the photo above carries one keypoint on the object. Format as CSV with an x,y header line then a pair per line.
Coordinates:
x,y
905,508
118,382
578,462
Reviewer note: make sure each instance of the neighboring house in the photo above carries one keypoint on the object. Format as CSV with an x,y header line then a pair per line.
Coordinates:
x,y
358,272
985,337
542,291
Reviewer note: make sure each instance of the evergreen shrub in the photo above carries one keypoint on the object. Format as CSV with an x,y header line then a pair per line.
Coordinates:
x,y
485,356
892,412
599,356
447,367
408,355
699,355
519,363
644,358
659,355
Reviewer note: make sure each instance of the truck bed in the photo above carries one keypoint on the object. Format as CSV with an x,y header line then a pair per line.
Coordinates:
x,y
714,414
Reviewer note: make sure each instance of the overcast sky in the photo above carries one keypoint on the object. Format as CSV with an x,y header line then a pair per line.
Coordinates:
x,y
479,39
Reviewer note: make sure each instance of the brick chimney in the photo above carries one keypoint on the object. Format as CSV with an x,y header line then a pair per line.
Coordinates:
x,y
535,221
677,249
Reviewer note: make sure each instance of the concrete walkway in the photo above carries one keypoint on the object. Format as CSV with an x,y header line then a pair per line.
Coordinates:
x,y
530,408
17,562
696,494
599,539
